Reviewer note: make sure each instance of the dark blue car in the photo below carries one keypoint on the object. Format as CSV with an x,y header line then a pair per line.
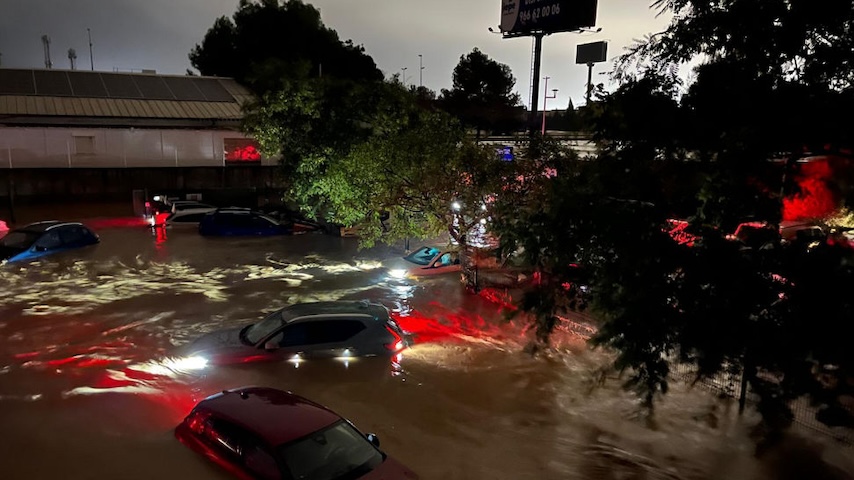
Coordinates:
x,y
240,222
44,238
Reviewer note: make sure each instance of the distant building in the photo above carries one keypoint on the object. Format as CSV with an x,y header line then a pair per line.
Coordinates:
x,y
57,118
102,134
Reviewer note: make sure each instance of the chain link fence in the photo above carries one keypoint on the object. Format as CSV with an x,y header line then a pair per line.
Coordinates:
x,y
730,382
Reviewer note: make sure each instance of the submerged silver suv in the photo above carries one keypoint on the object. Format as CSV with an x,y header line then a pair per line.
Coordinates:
x,y
304,330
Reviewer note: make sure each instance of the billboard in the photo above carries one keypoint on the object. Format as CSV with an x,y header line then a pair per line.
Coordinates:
x,y
521,17
595,52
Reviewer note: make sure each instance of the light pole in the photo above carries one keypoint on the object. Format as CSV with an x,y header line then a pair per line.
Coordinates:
x,y
546,97
420,70
91,60
403,78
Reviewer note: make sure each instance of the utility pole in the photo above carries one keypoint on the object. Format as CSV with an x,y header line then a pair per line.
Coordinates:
x,y
546,97
403,75
91,59
589,81
535,95
421,70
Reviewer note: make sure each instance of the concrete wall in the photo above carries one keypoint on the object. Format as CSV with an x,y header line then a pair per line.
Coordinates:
x,y
37,147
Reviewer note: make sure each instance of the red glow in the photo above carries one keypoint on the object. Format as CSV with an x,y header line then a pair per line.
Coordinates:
x,y
118,222
449,328
815,200
397,344
679,234
242,150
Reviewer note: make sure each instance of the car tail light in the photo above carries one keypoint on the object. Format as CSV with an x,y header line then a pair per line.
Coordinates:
x,y
196,422
397,344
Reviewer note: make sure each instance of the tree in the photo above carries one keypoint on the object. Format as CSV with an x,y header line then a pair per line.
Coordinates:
x,y
482,95
265,42
775,79
378,149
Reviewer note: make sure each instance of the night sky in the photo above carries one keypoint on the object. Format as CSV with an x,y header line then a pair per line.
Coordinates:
x,y
132,35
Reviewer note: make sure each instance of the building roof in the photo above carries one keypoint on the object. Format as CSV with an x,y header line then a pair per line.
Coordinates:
x,y
104,98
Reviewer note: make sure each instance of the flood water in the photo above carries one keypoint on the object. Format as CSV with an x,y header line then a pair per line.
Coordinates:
x,y
92,382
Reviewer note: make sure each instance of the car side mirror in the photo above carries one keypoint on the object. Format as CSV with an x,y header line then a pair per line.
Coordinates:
x,y
271,345
375,440
437,264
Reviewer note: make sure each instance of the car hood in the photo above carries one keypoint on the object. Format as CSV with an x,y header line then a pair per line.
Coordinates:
x,y
221,339
391,469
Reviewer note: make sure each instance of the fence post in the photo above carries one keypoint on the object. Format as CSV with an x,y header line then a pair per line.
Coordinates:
x,y
746,370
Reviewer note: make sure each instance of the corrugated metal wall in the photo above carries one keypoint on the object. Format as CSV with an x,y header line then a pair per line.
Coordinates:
x,y
26,147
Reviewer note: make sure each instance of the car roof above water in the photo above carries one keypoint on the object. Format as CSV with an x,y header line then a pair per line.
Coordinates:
x,y
277,416
312,309
41,227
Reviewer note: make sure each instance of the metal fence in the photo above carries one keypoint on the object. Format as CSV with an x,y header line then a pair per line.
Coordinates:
x,y
729,382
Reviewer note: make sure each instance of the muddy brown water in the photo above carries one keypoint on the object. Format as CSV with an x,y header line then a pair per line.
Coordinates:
x,y
92,384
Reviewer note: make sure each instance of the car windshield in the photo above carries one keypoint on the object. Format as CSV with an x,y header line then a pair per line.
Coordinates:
x,y
20,240
422,256
339,452
257,332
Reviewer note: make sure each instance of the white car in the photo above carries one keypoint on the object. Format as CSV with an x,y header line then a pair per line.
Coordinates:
x,y
188,217
180,205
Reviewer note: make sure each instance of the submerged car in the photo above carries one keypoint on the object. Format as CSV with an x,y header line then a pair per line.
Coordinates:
x,y
44,238
305,330
190,217
424,261
240,222
265,433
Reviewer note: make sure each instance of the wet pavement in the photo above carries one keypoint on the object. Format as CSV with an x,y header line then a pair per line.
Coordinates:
x,y
92,380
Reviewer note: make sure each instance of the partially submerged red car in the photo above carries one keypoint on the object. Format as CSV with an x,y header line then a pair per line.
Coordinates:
x,y
264,433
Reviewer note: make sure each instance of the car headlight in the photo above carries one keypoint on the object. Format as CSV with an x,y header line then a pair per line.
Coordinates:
x,y
397,273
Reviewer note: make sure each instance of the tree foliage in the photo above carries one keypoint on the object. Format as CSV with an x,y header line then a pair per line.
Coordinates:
x,y
482,94
267,41
373,149
775,81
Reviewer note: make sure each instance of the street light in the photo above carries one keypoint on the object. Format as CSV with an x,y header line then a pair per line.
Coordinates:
x,y
403,70
420,70
545,99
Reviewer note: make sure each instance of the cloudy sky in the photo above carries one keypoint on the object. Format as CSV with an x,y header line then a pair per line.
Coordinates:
x,y
158,34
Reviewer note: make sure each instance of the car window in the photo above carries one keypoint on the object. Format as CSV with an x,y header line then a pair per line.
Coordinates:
x,y
235,220
72,235
318,332
336,452
49,241
224,436
262,221
422,256
19,240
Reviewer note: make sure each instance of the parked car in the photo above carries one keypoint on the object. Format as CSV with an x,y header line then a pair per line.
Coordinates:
x,y
305,330
257,432
190,217
44,238
240,222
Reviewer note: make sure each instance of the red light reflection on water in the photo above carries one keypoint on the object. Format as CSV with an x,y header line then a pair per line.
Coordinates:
x,y
448,326
815,199
117,222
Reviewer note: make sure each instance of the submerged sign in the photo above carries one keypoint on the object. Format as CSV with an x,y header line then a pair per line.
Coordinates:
x,y
521,17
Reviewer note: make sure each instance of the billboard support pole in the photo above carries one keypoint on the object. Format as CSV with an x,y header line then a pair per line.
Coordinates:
x,y
589,81
535,96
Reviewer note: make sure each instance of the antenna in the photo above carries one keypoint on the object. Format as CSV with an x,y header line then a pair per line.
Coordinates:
x,y
46,43
72,57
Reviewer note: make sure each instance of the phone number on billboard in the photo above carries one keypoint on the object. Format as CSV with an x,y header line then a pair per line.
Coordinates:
x,y
536,13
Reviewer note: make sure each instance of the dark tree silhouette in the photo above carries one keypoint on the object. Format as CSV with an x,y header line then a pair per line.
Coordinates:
x,y
267,41
482,95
